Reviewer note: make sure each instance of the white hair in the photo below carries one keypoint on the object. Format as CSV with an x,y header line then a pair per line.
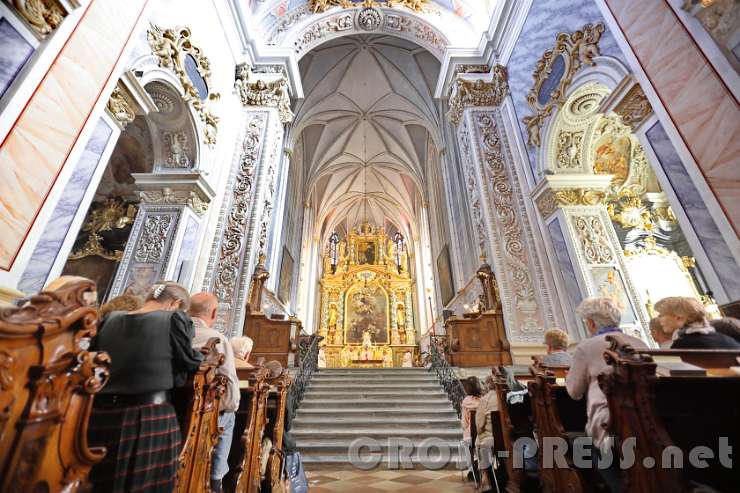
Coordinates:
x,y
603,311
242,346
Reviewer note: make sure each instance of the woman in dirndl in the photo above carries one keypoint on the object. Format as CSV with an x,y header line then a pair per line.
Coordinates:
x,y
133,417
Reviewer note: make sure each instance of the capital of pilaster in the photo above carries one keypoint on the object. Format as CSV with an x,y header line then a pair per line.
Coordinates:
x,y
570,190
477,90
269,90
189,189
128,100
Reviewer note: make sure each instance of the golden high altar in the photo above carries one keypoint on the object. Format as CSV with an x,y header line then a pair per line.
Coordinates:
x,y
366,305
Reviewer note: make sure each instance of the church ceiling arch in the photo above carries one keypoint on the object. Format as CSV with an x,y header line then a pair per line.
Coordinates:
x,y
363,130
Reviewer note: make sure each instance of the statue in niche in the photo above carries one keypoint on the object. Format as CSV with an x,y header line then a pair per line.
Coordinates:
x,y
322,358
333,316
408,359
345,357
401,317
387,357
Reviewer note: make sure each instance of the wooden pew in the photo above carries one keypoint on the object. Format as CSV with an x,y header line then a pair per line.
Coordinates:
x,y
47,383
515,422
244,456
273,339
661,412
275,427
197,405
557,416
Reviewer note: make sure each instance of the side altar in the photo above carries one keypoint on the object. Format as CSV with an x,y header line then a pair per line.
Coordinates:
x,y
367,316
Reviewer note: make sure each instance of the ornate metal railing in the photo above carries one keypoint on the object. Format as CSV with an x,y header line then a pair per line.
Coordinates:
x,y
309,364
445,373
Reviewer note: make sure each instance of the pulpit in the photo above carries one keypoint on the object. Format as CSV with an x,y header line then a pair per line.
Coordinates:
x,y
274,339
478,341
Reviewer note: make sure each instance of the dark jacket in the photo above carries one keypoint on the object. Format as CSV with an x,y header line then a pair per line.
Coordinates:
x,y
149,352
713,340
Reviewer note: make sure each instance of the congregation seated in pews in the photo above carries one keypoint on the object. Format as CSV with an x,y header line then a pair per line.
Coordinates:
x,y
615,415
144,398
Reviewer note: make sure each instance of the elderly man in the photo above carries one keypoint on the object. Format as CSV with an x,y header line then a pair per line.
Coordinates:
x,y
601,317
203,308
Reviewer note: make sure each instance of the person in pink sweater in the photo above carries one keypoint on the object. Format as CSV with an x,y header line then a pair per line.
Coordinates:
x,y
601,316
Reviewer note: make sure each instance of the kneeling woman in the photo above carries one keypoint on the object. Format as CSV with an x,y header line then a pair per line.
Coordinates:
x,y
151,352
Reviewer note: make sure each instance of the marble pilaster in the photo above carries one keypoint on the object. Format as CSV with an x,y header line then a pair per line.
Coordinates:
x,y
587,250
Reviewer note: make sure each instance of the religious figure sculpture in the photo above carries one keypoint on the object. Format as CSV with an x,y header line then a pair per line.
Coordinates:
x,y
387,357
333,315
322,358
408,359
401,317
345,357
367,346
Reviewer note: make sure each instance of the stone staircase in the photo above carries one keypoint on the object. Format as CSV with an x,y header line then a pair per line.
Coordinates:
x,y
405,405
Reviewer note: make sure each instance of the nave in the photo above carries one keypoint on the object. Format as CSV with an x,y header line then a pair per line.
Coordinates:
x,y
290,245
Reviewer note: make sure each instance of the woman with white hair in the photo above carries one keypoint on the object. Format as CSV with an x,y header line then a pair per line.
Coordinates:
x,y
242,346
601,317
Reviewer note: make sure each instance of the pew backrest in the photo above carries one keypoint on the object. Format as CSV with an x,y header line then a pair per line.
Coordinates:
x,y
47,382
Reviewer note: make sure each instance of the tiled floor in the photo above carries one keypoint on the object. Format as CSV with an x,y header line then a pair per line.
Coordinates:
x,y
327,480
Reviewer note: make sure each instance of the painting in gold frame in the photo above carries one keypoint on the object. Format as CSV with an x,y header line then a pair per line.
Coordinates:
x,y
366,309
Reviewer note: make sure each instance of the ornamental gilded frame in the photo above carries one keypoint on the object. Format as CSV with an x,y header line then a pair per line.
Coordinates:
x,y
575,49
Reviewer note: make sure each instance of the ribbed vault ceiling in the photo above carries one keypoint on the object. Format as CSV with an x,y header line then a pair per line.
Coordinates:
x,y
364,126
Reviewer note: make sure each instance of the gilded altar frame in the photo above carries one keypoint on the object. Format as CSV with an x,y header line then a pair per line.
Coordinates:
x,y
367,259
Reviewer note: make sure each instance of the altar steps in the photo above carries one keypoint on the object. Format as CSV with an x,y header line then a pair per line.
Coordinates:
x,y
384,406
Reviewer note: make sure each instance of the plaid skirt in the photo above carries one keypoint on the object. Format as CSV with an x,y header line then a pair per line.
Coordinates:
x,y
143,444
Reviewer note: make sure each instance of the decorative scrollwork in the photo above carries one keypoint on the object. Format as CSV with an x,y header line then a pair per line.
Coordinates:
x,y
42,15
634,108
318,6
478,93
172,47
446,375
120,107
591,232
262,93
309,364
554,73
150,246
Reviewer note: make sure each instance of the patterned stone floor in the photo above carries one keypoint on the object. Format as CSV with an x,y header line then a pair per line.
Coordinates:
x,y
327,480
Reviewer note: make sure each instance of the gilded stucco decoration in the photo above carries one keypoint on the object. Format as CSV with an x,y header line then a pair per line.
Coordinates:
x,y
173,47
594,240
634,108
550,200
318,6
107,216
554,73
120,107
569,149
466,93
255,91
720,18
42,15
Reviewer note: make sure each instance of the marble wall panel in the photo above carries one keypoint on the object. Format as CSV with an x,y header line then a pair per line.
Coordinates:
x,y
14,54
57,228
547,18
565,263
187,255
703,109
51,122
704,225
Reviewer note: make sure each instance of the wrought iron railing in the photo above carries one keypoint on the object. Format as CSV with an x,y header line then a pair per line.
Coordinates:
x,y
309,364
445,373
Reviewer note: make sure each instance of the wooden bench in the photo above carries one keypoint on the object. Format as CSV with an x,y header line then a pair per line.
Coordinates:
x,y
661,412
197,406
249,425
560,417
47,383
515,422
275,428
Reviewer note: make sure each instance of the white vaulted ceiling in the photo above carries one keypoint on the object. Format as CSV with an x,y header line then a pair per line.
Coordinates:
x,y
363,129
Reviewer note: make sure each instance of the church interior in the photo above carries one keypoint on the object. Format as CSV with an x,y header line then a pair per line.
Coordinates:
x,y
369,246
